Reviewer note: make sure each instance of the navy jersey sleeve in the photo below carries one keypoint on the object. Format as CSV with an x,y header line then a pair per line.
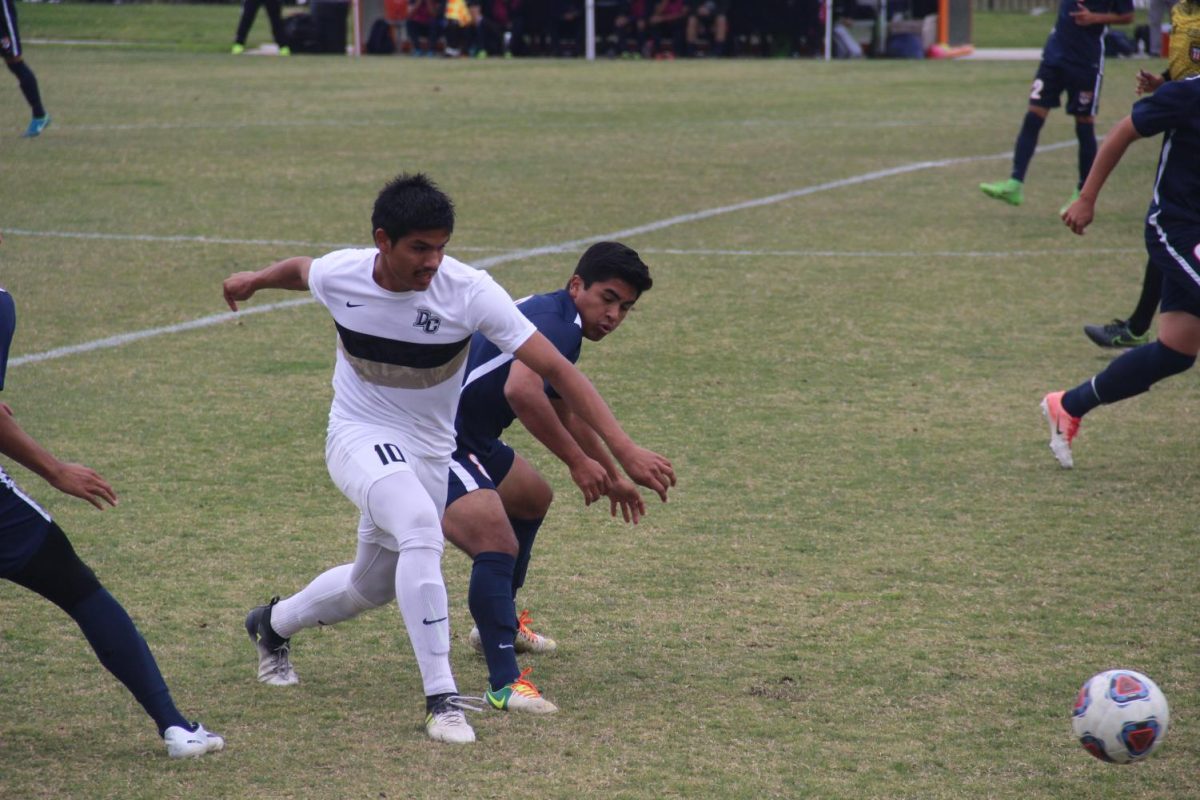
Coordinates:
x,y
566,336
8,324
1174,105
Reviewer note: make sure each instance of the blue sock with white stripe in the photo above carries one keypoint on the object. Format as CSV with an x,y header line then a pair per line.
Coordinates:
x,y
1129,375
490,599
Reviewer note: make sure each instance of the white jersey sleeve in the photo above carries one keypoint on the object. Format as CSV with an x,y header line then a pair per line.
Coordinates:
x,y
498,318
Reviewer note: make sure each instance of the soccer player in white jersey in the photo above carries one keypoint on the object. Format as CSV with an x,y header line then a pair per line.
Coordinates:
x,y
404,314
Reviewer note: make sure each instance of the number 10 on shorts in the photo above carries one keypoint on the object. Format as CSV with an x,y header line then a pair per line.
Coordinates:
x,y
389,454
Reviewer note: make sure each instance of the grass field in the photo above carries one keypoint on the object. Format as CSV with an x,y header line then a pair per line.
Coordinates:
x,y
872,581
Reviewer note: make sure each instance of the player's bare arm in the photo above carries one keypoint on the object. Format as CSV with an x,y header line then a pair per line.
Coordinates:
x,y
524,392
1081,213
1084,16
290,273
645,467
73,479
622,493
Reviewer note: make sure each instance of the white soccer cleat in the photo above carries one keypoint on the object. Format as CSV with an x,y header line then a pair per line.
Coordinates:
x,y
182,743
446,722
527,640
274,652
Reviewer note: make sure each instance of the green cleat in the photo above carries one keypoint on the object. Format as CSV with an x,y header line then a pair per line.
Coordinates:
x,y
285,51
1010,191
1066,205
520,695
237,49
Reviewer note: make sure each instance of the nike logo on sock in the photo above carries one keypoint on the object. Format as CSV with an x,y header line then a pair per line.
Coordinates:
x,y
433,621
505,646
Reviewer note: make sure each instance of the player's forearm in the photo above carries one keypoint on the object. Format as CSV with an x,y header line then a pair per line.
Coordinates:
x,y
290,273
24,449
591,444
539,418
586,403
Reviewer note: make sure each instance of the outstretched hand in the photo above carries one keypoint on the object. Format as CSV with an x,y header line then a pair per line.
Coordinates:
x,y
647,468
85,483
624,496
591,478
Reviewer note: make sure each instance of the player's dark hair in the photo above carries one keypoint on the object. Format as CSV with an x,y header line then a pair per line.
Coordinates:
x,y
605,261
412,203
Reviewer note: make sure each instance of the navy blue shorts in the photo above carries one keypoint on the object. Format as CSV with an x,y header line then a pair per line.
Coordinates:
x,y
19,542
479,464
1175,253
1081,85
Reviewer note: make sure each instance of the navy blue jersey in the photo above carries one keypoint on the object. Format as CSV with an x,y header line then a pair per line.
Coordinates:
x,y
23,523
1080,45
483,411
1174,111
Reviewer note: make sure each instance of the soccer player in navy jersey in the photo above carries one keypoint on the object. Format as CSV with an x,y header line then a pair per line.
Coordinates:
x,y
497,500
1072,62
1172,241
36,554
14,59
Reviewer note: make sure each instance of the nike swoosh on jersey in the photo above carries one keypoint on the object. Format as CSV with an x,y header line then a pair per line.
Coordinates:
x,y
354,305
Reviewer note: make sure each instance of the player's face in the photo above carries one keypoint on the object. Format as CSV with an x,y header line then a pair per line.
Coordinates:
x,y
601,306
409,263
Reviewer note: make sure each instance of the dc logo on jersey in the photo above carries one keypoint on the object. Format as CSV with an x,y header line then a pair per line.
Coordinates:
x,y
1124,688
428,320
1194,53
1082,701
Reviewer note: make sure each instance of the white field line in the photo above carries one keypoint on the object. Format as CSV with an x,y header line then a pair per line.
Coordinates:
x,y
492,261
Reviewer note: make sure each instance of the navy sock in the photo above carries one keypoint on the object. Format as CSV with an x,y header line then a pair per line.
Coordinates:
x,y
1085,132
491,602
124,653
1132,373
29,87
1027,141
526,530
1139,320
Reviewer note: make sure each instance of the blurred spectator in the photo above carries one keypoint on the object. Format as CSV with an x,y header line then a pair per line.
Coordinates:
x,y
629,27
459,28
667,28
708,28
249,12
502,28
566,26
424,25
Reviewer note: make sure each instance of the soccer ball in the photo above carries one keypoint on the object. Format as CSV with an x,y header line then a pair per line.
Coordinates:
x,y
1120,716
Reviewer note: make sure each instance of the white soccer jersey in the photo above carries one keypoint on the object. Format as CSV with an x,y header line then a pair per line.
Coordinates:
x,y
401,355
